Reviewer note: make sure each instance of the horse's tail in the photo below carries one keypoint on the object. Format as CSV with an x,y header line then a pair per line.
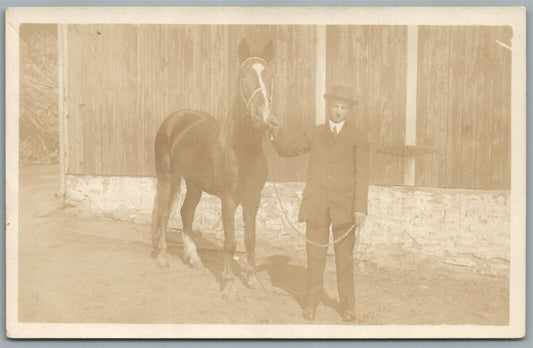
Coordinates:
x,y
162,169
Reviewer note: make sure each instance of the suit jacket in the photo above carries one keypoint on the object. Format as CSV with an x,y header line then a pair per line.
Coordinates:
x,y
337,175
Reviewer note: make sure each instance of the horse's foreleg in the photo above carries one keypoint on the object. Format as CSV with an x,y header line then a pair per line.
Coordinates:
x,y
228,219
249,209
188,208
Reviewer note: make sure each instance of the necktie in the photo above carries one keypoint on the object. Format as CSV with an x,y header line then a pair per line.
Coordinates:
x,y
334,132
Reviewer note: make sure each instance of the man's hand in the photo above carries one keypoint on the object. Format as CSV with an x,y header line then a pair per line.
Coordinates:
x,y
358,218
273,124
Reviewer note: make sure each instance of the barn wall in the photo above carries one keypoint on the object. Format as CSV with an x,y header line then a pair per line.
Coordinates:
x,y
464,112
373,59
125,79
463,103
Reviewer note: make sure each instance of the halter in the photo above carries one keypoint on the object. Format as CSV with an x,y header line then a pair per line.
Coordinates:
x,y
260,89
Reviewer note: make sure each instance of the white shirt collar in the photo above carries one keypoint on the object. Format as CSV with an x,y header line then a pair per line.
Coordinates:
x,y
338,125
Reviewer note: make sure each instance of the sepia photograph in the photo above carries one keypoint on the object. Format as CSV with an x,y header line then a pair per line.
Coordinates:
x,y
265,172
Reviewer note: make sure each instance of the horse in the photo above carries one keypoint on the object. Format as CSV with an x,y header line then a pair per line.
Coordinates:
x,y
224,158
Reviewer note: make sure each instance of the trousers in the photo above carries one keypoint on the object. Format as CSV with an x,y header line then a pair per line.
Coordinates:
x,y
316,262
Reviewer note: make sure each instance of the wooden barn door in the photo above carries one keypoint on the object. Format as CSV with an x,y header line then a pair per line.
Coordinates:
x,y
434,99
372,60
122,80
464,106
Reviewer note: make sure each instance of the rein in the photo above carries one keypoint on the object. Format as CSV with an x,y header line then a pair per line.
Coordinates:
x,y
335,241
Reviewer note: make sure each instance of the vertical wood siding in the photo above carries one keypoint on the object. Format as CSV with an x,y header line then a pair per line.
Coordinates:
x,y
464,93
372,60
125,79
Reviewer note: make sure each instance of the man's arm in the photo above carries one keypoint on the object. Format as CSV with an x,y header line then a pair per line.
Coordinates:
x,y
288,146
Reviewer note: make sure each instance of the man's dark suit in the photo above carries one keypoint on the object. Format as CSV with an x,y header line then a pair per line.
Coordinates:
x,y
337,186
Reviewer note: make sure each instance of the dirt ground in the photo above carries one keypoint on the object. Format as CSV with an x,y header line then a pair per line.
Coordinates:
x,y
81,269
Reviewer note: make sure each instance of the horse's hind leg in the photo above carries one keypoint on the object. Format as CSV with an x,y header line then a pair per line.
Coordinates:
x,y
188,208
167,191
156,235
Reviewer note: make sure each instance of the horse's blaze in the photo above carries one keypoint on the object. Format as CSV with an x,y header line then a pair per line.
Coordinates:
x,y
258,67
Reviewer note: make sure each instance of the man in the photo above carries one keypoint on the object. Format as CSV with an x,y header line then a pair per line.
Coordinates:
x,y
335,194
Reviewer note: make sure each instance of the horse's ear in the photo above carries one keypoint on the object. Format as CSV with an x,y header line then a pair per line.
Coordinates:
x,y
268,51
244,50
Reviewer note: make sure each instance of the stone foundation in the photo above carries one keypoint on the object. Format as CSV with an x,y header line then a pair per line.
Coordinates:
x,y
455,224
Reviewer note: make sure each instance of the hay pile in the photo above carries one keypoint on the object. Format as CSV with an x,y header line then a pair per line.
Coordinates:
x,y
38,95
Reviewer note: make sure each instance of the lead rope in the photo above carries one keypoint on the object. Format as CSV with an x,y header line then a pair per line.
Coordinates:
x,y
341,238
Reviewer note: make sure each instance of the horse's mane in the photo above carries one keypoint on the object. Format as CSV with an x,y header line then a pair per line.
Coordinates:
x,y
230,121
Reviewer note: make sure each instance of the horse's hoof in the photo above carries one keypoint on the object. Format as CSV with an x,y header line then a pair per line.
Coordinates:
x,y
228,289
253,281
162,261
194,262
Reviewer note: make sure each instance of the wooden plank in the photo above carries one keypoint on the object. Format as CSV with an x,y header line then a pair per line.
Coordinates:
x,y
93,88
500,163
220,92
375,141
411,102
471,88
104,155
145,107
399,97
78,53
451,177
320,74
281,99
140,81
423,135
385,110
440,93
391,99
300,94
110,127
126,113
432,102
76,101
483,125
152,94
360,84
412,68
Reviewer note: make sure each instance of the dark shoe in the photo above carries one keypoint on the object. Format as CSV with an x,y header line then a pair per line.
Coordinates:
x,y
348,316
309,312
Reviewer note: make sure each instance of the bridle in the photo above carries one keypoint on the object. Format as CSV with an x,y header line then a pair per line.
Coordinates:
x,y
261,89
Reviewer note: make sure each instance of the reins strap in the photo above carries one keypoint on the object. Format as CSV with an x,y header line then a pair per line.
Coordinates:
x,y
338,240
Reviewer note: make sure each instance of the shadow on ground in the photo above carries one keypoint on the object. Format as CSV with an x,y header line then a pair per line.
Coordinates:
x,y
292,279
210,253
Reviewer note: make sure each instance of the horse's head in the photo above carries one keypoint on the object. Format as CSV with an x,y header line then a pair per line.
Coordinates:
x,y
255,81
